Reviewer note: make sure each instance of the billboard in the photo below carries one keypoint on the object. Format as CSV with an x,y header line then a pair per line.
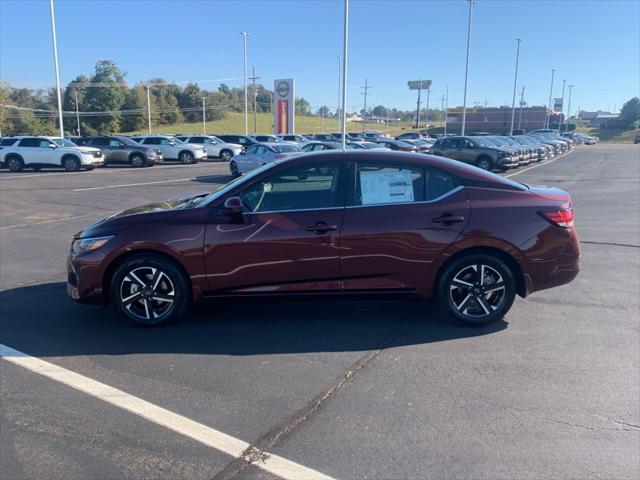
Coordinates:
x,y
284,107
419,84
557,104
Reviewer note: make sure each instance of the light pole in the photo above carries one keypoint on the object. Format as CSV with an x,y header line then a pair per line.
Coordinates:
x,y
246,108
55,61
548,117
520,109
561,107
345,38
515,81
204,117
446,107
426,115
75,91
148,88
569,107
339,90
466,69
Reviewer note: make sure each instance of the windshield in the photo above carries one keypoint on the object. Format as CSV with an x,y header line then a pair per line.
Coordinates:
x,y
216,139
127,141
286,148
497,141
232,184
63,142
177,140
483,142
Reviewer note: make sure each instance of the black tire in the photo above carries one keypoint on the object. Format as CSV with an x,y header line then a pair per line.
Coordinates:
x,y
484,163
89,168
226,155
462,295
71,164
14,163
186,158
136,160
233,167
146,307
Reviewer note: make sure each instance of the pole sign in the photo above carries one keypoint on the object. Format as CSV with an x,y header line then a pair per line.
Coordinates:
x,y
284,108
557,104
419,84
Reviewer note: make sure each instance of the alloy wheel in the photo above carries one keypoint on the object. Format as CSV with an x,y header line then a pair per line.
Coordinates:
x,y
147,293
225,155
477,290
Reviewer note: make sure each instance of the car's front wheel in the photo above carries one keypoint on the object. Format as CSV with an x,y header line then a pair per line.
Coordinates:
x,y
226,155
137,161
15,164
71,164
484,163
186,158
150,290
477,289
233,167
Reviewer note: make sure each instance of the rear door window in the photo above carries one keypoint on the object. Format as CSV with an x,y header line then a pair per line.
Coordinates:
x,y
385,184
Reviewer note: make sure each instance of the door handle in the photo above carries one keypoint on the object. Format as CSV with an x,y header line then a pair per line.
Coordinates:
x,y
448,219
321,227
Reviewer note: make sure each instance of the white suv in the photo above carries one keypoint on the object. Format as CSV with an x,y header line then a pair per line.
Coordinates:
x,y
40,152
173,149
213,145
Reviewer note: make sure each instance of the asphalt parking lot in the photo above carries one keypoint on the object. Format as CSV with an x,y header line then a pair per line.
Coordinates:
x,y
350,389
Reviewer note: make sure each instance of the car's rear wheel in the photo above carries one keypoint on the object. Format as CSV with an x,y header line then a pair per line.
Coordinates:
x,y
484,162
71,164
226,155
186,158
233,167
15,164
137,160
477,289
150,290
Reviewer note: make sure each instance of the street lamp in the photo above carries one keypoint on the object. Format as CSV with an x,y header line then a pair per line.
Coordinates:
x,y
345,38
568,107
466,69
246,110
55,61
148,89
204,117
515,81
548,116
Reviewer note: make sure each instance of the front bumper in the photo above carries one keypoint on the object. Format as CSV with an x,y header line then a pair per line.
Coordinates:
x,y
507,162
84,281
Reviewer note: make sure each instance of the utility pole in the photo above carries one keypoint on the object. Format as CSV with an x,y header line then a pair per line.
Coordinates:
x,y
548,116
466,69
520,110
446,107
418,107
255,100
364,115
561,109
345,50
569,105
515,82
246,111
339,90
426,115
204,117
75,90
148,88
55,61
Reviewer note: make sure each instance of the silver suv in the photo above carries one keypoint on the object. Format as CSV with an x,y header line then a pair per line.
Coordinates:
x,y
172,148
123,150
214,147
39,152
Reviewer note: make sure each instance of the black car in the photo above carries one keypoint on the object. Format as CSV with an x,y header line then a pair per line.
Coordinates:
x,y
243,140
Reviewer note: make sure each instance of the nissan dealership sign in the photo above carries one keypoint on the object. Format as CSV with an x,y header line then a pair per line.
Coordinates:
x,y
284,108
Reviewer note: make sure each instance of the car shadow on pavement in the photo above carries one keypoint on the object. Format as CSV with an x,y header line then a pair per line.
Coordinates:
x,y
42,321
222,179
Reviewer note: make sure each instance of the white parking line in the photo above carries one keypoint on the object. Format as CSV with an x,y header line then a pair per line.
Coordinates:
x,y
540,164
124,185
101,171
207,436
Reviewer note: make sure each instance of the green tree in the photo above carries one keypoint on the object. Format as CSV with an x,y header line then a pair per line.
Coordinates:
x,y
190,100
69,104
102,97
134,117
302,107
630,111
323,111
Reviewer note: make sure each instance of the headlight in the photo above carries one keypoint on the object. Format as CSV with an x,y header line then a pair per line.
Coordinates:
x,y
151,154
82,245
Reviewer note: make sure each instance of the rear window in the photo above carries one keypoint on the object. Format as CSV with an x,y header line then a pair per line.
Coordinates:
x,y
5,142
286,148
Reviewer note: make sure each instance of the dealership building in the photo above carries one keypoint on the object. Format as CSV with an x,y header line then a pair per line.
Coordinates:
x,y
498,119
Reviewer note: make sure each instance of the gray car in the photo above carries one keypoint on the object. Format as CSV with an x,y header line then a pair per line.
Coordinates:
x,y
122,150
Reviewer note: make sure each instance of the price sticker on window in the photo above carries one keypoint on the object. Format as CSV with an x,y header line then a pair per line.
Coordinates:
x,y
386,187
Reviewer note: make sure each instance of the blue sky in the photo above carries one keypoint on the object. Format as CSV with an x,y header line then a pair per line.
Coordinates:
x,y
592,44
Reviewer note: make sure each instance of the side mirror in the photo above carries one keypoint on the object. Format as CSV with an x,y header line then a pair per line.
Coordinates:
x,y
233,206
172,143
53,145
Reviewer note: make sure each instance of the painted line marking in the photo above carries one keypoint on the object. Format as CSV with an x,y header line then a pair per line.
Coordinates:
x,y
125,185
540,164
203,434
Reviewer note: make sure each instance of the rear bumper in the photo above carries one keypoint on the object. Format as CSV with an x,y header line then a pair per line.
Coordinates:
x,y
544,274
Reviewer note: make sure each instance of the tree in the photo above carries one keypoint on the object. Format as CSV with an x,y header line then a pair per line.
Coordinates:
x,y
102,97
69,102
630,111
302,107
190,100
323,111
135,105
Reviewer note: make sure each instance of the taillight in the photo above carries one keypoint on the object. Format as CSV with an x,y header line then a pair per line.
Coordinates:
x,y
561,218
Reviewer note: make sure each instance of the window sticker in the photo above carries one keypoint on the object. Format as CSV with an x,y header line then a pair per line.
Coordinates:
x,y
386,187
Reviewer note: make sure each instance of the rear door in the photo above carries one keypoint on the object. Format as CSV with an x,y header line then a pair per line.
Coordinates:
x,y
104,144
399,218
287,238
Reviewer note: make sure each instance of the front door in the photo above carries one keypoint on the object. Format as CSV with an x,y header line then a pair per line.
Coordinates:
x,y
287,238
399,219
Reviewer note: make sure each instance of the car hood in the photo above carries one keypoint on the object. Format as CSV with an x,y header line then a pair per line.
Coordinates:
x,y
88,149
171,204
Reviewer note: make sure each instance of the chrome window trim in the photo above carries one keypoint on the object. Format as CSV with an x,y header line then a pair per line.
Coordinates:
x,y
296,210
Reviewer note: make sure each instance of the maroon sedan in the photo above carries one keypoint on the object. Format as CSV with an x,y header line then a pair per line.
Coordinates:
x,y
335,222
